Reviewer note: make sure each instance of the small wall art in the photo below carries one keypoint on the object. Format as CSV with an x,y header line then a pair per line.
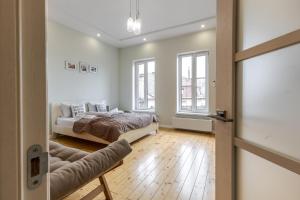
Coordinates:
x,y
71,65
83,67
93,69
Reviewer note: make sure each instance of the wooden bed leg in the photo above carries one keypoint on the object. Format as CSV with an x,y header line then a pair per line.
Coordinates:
x,y
53,135
105,188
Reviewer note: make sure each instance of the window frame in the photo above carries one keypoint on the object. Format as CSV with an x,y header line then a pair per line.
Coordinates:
x,y
136,85
194,110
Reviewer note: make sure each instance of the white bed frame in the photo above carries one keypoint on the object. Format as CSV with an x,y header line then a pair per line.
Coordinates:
x,y
130,136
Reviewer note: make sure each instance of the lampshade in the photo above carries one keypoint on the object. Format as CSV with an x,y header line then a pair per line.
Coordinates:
x,y
134,25
130,24
137,26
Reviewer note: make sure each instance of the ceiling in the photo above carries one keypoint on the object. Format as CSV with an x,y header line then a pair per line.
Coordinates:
x,y
160,18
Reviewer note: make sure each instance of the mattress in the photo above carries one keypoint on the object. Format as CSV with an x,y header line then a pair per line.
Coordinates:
x,y
66,122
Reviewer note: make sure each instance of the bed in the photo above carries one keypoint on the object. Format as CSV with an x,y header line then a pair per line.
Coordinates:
x,y
64,126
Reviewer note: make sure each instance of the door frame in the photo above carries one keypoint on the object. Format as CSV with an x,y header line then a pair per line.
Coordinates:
x,y
225,98
227,59
10,187
24,99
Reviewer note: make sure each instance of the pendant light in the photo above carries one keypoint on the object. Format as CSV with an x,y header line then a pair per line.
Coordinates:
x,y
137,23
134,25
130,21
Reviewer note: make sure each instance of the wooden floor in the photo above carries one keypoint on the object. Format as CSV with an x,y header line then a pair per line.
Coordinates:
x,y
169,165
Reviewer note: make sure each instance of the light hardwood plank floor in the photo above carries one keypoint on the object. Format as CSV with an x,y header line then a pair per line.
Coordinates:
x,y
170,165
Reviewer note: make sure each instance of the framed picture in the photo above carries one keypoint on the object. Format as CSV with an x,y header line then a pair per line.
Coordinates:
x,y
70,65
93,69
83,67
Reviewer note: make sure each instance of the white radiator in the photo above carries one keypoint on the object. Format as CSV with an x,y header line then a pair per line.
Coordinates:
x,y
192,124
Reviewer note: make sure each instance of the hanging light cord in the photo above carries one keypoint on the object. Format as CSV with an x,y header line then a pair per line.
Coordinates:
x,y
130,9
137,9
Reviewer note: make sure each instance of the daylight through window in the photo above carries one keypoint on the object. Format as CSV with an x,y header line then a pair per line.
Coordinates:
x,y
144,85
192,82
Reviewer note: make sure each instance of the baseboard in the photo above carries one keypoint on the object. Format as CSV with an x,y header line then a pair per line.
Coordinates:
x,y
165,126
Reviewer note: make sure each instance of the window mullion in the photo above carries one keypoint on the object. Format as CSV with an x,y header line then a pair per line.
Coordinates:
x,y
136,86
206,83
194,85
146,83
180,83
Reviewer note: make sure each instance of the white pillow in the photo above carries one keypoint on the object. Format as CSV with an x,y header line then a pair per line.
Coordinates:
x,y
91,107
101,107
116,110
77,109
66,110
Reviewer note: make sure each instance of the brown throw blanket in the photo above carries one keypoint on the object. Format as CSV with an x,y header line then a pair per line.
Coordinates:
x,y
110,126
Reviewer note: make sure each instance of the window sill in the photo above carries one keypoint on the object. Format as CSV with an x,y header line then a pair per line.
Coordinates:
x,y
192,115
144,111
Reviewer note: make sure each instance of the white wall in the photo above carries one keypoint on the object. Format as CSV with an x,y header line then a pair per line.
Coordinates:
x,y
165,53
268,100
113,82
64,43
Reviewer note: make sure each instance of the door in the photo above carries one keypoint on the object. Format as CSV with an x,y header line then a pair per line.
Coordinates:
x,y
23,95
258,69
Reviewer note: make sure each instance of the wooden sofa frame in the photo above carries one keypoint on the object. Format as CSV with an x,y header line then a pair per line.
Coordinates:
x,y
103,187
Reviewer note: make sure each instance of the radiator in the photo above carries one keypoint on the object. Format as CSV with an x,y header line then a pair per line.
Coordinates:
x,y
192,124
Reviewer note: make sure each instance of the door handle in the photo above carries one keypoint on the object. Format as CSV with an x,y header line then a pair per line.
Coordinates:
x,y
221,116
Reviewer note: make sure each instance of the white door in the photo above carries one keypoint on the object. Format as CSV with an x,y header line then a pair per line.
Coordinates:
x,y
268,100
258,84
23,101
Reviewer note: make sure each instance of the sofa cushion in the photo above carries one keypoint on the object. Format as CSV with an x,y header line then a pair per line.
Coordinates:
x,y
61,155
73,168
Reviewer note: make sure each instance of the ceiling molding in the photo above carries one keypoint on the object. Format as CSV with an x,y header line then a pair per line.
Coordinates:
x,y
168,28
81,23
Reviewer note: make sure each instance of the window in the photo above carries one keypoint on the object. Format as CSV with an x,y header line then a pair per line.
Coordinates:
x,y
192,72
144,83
